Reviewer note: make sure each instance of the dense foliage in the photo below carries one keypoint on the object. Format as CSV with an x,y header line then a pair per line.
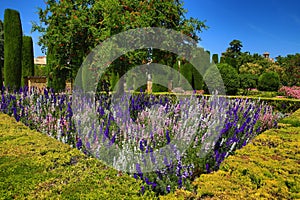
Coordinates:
x,y
248,81
268,81
12,49
230,78
215,58
27,58
1,53
71,29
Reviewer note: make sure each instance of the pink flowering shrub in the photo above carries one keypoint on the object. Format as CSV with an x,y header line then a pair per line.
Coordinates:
x,y
293,92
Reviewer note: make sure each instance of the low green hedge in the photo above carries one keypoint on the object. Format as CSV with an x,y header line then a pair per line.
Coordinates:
x,y
267,168
34,166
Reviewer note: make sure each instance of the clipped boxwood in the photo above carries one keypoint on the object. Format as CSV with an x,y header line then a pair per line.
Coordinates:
x,y
35,166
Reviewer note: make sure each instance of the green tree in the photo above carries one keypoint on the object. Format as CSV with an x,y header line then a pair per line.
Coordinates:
x,y
235,47
12,49
268,81
1,53
248,81
75,27
230,78
27,58
251,68
215,58
232,53
291,69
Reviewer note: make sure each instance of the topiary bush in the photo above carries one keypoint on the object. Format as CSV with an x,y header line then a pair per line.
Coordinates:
x,y
215,58
268,81
12,49
27,58
1,53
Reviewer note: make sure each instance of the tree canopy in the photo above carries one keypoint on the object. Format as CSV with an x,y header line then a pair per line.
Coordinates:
x,y
71,29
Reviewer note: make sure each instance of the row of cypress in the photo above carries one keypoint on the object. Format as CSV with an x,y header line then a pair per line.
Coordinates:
x,y
16,51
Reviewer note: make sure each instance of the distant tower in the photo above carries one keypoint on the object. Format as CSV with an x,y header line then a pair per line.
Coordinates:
x,y
266,55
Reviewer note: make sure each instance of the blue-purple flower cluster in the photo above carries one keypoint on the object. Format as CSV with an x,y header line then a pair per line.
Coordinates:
x,y
220,125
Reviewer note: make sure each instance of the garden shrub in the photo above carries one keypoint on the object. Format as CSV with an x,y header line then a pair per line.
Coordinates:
x,y
293,92
268,81
12,49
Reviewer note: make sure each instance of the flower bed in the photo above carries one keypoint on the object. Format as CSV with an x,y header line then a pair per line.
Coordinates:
x,y
293,92
220,125
267,168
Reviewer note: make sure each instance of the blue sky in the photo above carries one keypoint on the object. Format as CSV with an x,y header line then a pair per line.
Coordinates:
x,y
261,25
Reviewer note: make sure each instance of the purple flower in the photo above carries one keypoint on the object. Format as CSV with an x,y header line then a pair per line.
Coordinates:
x,y
180,182
207,168
166,161
168,137
138,169
141,145
142,189
88,145
168,188
79,143
153,185
153,160
69,111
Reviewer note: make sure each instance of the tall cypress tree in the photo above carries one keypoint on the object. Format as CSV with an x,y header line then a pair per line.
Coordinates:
x,y
12,49
1,53
215,58
27,58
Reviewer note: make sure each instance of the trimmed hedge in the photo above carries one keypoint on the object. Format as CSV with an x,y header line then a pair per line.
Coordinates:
x,y
27,58
267,168
1,52
35,166
12,49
